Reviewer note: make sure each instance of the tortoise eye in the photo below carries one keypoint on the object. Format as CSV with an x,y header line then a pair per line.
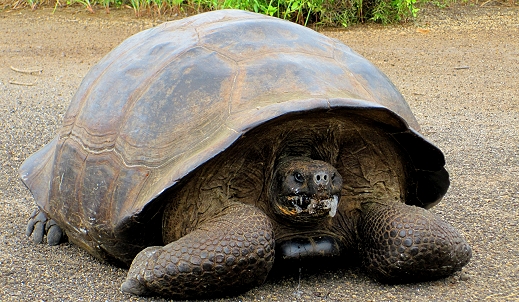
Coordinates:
x,y
299,177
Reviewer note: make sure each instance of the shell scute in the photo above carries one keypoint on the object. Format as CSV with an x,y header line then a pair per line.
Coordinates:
x,y
109,92
184,104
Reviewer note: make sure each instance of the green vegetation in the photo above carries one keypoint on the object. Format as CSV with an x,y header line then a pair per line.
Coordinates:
x,y
305,12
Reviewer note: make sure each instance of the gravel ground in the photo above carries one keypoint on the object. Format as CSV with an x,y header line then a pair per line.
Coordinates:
x,y
458,68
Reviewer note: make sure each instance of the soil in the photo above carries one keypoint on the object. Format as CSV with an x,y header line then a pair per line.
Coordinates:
x,y
457,67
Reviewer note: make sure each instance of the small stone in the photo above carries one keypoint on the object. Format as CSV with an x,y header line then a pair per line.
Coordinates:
x,y
464,276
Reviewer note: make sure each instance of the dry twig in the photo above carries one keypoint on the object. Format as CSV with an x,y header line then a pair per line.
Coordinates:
x,y
21,83
29,71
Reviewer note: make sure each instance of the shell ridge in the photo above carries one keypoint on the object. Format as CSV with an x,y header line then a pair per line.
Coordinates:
x,y
219,52
76,134
138,163
107,151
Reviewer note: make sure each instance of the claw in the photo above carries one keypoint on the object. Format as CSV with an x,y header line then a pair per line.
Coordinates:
x,y
54,233
31,223
38,232
40,225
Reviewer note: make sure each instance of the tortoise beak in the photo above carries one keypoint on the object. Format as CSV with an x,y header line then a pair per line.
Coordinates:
x,y
313,206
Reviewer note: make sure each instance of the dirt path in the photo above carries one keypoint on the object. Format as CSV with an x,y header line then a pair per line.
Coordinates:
x,y
460,76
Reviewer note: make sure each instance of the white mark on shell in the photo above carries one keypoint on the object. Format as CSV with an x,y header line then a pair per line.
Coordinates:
x,y
60,181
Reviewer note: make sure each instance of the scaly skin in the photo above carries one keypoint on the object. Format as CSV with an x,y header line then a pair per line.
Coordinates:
x,y
401,243
230,253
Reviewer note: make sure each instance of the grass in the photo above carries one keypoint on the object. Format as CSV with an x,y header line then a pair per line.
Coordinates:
x,y
316,12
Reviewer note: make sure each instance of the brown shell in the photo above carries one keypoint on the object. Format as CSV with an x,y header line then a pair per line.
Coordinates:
x,y
170,98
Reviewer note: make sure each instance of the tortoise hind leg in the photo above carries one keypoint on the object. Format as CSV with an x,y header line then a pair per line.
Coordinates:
x,y
40,225
402,243
228,254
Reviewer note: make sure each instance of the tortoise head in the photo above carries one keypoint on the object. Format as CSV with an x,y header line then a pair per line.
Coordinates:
x,y
305,190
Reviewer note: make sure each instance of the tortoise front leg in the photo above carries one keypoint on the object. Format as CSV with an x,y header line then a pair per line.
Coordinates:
x,y
401,243
228,254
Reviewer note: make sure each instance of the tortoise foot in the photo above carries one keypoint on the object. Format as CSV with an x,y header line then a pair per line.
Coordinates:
x,y
134,287
402,243
134,284
41,226
227,255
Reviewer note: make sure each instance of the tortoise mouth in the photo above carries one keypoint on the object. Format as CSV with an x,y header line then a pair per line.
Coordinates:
x,y
311,205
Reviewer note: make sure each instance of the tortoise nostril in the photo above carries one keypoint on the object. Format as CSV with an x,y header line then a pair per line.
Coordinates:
x,y
321,178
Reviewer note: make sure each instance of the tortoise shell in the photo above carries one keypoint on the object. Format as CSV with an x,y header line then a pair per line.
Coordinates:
x,y
169,99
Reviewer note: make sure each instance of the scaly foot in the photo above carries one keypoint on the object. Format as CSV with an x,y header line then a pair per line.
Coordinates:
x,y
402,243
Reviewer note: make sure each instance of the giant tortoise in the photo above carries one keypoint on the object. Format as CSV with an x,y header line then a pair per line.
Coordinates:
x,y
201,150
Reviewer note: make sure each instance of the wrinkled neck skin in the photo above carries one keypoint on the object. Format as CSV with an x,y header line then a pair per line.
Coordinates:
x,y
304,196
